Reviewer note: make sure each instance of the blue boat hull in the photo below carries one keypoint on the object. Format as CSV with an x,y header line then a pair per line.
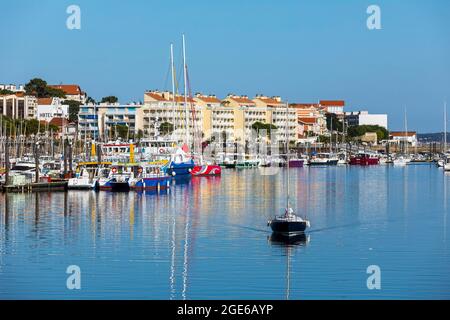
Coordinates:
x,y
180,169
153,183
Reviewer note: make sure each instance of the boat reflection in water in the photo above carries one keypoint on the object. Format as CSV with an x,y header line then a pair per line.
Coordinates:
x,y
301,239
289,243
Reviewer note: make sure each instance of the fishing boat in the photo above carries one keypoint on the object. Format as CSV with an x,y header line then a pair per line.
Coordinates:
x,y
288,224
121,177
364,159
323,159
151,176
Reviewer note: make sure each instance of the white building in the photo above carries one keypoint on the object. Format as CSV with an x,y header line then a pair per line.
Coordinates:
x,y
18,105
12,87
360,118
72,91
160,107
98,121
49,108
401,137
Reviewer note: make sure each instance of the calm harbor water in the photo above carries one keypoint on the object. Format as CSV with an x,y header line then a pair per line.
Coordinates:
x,y
207,238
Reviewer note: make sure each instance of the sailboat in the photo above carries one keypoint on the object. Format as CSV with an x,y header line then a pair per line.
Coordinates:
x,y
404,159
446,155
288,224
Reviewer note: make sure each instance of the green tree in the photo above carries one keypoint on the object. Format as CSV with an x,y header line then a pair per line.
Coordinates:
x,y
166,128
333,122
357,131
120,131
74,109
90,100
40,89
5,92
258,126
109,99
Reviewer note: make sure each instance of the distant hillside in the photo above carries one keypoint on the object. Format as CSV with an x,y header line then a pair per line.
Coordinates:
x,y
432,137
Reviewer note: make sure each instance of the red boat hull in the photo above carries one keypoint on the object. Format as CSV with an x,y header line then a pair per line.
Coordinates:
x,y
364,161
207,170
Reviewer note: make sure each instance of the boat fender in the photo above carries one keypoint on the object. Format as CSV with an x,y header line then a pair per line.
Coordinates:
x,y
161,150
173,173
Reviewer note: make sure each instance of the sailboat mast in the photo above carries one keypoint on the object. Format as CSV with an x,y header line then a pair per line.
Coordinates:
x,y
445,126
406,133
173,85
186,111
287,158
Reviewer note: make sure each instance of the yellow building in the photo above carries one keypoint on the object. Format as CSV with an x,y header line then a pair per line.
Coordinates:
x,y
233,115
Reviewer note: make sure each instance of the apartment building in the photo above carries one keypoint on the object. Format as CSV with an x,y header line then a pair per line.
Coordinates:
x,y
311,119
18,105
276,115
98,121
162,106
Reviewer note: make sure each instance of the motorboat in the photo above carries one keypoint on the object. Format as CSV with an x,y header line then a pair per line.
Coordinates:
x,y
364,159
323,159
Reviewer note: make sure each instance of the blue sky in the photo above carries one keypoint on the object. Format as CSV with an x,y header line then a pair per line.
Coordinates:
x,y
302,50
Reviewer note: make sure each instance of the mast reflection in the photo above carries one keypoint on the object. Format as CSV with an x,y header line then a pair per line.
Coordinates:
x,y
289,244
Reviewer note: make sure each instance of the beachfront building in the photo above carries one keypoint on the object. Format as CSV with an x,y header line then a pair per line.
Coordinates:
x,y
216,118
360,118
402,138
163,107
18,105
276,115
49,108
88,124
72,92
100,121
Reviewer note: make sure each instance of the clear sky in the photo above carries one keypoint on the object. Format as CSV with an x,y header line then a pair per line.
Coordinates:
x,y
301,50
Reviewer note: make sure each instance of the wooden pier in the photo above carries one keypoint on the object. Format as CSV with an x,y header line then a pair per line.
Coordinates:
x,y
35,187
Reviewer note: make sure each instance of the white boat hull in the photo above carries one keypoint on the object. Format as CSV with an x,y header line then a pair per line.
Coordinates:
x,y
81,183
